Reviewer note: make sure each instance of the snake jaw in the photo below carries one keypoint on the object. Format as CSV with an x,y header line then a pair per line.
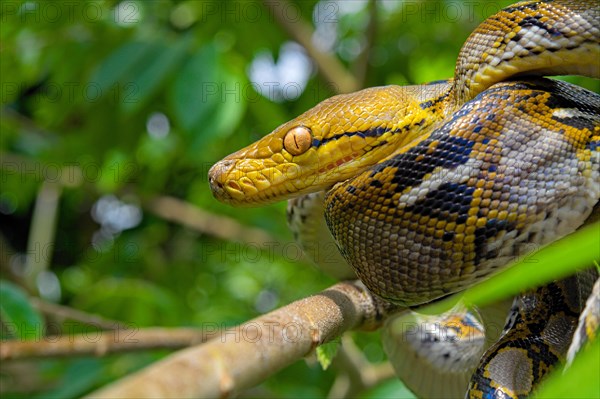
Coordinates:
x,y
241,182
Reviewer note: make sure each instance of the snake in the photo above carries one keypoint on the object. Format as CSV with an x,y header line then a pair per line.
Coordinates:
x,y
428,189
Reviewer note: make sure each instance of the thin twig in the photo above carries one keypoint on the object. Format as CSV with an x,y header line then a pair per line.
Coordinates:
x,y
68,313
356,374
184,213
42,232
248,354
329,66
100,343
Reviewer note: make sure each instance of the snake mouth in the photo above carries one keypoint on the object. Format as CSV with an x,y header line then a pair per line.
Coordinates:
x,y
250,182
218,190
253,182
241,183
223,187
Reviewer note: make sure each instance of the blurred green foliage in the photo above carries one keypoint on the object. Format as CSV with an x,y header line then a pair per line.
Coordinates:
x,y
118,103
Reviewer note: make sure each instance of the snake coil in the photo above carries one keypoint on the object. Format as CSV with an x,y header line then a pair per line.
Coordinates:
x,y
429,189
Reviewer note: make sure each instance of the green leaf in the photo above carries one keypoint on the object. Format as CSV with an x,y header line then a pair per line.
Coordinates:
x,y
81,376
326,353
195,93
231,107
119,63
137,70
392,389
582,377
117,170
555,261
149,73
208,98
20,319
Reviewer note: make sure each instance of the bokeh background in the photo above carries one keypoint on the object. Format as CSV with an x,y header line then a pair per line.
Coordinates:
x,y
112,114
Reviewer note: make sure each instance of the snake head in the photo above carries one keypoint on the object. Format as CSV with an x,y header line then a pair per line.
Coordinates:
x,y
335,140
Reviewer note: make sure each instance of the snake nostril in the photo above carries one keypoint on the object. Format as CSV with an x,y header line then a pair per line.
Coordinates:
x,y
217,171
234,185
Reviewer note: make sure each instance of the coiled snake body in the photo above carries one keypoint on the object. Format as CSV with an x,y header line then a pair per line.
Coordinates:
x,y
432,188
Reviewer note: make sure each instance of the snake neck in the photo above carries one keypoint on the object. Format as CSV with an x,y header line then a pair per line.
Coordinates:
x,y
528,38
306,222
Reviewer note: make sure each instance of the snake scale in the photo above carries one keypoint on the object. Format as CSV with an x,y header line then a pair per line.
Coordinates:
x,y
428,189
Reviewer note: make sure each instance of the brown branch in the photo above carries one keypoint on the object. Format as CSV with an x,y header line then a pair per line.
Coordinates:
x,y
329,66
42,232
186,214
223,227
356,373
248,354
68,313
99,343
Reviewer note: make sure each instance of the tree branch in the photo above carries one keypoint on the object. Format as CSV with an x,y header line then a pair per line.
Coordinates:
x,y
356,373
191,216
329,66
68,313
42,232
223,227
246,355
100,343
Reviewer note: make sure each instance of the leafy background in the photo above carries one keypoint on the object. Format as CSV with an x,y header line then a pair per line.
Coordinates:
x,y
110,108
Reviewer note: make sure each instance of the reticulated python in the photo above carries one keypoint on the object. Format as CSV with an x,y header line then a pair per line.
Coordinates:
x,y
431,188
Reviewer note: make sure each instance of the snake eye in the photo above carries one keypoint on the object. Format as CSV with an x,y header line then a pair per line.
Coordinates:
x,y
298,140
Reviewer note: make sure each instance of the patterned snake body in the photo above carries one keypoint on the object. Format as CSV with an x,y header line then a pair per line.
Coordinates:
x,y
432,188
515,168
533,342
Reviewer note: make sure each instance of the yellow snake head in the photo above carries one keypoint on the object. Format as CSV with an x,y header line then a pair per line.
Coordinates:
x,y
329,143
